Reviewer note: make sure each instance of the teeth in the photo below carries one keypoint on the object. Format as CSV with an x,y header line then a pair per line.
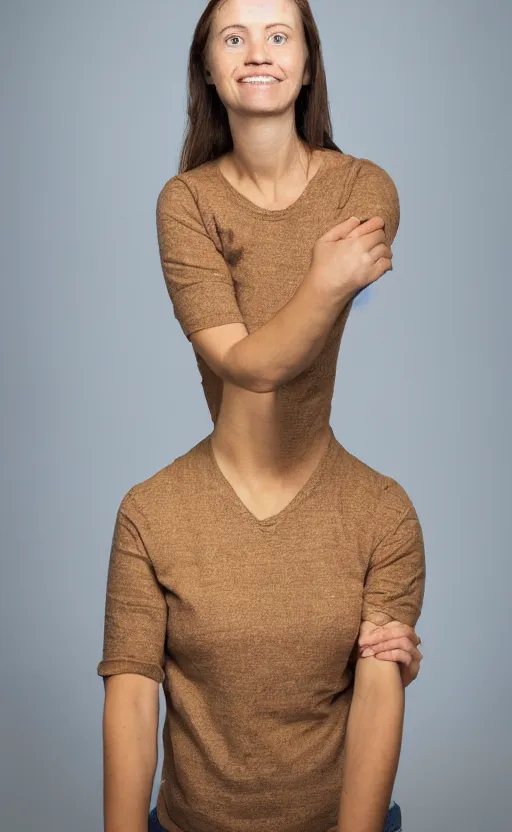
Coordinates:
x,y
259,79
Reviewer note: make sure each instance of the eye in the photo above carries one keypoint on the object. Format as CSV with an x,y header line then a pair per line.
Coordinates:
x,y
279,35
233,37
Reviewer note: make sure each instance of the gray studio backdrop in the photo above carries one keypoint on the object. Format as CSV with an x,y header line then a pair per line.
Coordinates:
x,y
100,388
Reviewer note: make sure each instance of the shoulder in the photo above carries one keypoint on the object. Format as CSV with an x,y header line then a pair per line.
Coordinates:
x,y
375,186
186,188
160,494
359,170
174,195
375,183
370,191
373,493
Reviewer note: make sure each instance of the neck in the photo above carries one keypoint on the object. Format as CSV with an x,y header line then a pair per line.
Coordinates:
x,y
249,436
266,149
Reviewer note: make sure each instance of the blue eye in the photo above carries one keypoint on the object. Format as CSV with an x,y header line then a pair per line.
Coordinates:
x,y
278,36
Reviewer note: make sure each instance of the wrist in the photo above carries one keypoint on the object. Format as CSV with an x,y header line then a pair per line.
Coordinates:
x,y
325,292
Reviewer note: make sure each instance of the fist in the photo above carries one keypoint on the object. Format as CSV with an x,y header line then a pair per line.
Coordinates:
x,y
351,256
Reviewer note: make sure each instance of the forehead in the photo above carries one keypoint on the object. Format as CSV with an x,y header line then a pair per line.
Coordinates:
x,y
255,11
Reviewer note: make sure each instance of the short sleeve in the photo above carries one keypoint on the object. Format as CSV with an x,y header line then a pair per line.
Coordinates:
x,y
374,193
135,607
395,580
196,274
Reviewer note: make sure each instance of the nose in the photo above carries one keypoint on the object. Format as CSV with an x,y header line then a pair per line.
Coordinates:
x,y
257,52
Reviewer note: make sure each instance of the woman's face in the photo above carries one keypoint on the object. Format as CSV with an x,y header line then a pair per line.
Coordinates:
x,y
252,38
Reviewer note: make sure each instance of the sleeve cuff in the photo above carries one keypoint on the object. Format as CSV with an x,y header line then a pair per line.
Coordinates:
x,y
191,325
112,667
380,617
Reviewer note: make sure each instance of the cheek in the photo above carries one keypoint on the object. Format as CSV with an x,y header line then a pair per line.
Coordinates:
x,y
226,71
293,63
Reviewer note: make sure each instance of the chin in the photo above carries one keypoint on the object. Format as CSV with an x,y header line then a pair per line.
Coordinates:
x,y
261,108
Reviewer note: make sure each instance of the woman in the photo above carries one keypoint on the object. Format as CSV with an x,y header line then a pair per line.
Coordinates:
x,y
242,574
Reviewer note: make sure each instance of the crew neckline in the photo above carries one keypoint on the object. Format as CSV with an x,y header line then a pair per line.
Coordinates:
x,y
269,522
279,213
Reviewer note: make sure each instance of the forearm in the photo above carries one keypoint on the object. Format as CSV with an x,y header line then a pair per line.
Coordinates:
x,y
372,750
289,342
130,755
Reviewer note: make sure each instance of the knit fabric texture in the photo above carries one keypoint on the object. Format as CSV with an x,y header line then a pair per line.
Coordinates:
x,y
251,627
227,260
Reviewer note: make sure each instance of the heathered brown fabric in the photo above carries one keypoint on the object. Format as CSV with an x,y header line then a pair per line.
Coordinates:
x,y
250,625
226,260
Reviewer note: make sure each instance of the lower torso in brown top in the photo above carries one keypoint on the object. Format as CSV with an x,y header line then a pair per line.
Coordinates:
x,y
250,624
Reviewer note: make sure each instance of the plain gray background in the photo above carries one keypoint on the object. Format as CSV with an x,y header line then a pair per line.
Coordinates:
x,y
100,388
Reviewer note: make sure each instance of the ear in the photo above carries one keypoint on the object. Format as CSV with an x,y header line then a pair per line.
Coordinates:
x,y
207,76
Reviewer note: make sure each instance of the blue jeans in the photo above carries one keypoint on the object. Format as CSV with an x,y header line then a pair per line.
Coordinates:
x,y
393,820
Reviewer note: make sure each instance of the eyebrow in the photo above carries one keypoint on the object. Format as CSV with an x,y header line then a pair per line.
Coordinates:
x,y
240,26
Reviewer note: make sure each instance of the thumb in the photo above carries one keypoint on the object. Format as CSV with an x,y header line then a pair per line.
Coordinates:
x,y
341,229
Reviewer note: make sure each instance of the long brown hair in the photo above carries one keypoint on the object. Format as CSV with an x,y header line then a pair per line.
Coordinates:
x,y
207,134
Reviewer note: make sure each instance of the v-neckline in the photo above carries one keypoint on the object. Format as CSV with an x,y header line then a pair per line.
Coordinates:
x,y
269,522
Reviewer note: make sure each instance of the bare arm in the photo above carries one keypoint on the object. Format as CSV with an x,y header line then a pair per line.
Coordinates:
x,y
289,342
130,751
280,349
372,749
203,292
393,591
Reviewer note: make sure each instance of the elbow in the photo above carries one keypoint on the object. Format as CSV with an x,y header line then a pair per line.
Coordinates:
x,y
251,384
262,385
246,372
249,379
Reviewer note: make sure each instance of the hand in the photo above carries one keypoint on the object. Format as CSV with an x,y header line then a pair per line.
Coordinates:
x,y
351,256
394,642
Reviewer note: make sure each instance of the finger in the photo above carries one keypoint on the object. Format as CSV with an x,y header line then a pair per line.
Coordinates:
x,y
370,240
380,268
408,631
395,629
386,646
401,656
405,627
367,226
408,674
341,230
381,250
390,644
383,634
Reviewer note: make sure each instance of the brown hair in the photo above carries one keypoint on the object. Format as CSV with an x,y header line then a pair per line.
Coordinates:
x,y
207,134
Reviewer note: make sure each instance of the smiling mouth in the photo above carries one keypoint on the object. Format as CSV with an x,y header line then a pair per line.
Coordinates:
x,y
260,79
